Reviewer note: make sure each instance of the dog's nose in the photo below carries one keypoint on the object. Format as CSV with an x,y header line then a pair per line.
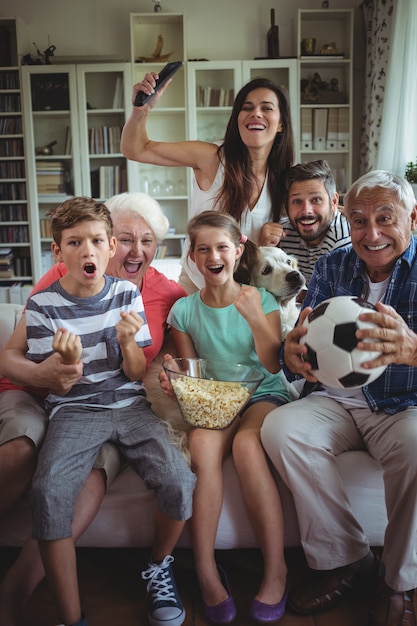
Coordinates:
x,y
294,278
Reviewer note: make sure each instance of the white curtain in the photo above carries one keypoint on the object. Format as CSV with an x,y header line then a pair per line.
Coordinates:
x,y
398,133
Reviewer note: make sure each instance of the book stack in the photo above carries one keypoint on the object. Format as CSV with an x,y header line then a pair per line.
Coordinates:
x,y
104,140
52,177
108,180
215,97
6,263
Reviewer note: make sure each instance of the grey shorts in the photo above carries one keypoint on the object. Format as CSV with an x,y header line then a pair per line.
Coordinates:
x,y
22,415
74,437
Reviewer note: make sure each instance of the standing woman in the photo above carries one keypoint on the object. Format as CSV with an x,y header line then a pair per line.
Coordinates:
x,y
243,176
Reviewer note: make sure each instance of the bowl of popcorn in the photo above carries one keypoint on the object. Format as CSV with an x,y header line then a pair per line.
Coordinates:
x,y
211,393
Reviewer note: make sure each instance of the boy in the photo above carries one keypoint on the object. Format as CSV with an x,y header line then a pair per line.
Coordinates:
x,y
99,320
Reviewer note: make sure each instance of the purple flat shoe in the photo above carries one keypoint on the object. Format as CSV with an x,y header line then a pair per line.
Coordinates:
x,y
268,613
224,612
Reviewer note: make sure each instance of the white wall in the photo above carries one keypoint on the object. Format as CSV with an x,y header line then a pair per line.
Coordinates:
x,y
216,29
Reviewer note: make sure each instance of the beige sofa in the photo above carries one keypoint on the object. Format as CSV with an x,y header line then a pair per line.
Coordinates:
x,y
126,515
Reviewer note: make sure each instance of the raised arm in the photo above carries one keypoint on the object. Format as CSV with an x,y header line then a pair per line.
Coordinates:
x,y
137,146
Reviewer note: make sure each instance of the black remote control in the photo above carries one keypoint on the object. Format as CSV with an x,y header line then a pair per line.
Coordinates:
x,y
165,74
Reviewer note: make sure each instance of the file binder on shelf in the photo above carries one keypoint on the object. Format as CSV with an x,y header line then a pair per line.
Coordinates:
x,y
332,129
343,130
306,129
319,128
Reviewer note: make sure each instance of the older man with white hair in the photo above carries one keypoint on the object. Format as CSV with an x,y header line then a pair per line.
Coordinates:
x,y
304,437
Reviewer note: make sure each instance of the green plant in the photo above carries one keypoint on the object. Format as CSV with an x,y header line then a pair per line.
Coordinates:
x,y
411,171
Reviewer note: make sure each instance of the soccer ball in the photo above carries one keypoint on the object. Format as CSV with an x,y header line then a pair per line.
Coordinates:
x,y
331,343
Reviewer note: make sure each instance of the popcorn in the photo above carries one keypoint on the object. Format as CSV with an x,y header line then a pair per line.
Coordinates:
x,y
209,403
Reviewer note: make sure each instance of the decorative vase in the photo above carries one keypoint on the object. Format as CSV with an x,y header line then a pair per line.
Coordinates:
x,y
273,38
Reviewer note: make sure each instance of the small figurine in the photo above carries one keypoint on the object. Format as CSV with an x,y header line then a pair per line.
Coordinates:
x,y
45,150
157,55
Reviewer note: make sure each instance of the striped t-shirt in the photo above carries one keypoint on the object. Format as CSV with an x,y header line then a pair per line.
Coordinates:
x,y
94,319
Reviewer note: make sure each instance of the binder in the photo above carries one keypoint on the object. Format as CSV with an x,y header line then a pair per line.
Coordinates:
x,y
319,128
306,129
332,129
343,129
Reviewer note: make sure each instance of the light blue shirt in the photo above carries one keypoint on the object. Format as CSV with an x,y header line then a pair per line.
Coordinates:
x,y
222,333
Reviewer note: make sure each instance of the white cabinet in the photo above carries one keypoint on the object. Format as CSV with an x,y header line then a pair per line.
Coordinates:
x,y
325,48
157,38
73,117
214,84
103,100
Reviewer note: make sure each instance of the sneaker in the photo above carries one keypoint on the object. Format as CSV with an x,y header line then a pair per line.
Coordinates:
x,y
165,603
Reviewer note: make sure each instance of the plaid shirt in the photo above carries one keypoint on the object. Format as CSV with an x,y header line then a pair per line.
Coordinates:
x,y
342,273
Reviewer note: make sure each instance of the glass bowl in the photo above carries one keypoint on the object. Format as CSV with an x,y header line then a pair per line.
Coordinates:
x,y
211,393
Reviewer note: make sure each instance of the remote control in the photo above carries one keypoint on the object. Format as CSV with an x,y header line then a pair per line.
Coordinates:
x,y
165,74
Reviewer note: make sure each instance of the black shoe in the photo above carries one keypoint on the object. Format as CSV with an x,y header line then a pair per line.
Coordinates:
x,y
393,608
328,588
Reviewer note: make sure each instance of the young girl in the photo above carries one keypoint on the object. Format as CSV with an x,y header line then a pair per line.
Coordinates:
x,y
230,321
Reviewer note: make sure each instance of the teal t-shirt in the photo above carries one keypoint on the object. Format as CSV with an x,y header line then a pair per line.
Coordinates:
x,y
225,335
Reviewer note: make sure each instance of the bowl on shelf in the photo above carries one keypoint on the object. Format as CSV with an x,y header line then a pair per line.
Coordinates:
x,y
211,393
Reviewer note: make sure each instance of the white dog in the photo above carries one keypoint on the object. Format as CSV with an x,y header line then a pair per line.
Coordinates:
x,y
277,272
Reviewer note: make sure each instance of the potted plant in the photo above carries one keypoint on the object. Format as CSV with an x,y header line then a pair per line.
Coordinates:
x,y
411,171
411,175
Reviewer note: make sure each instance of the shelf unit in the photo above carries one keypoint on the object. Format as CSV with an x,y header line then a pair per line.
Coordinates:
x,y
168,121
15,239
326,89
63,103
50,115
103,100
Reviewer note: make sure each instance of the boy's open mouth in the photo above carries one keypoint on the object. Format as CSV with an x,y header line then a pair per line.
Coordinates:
x,y
89,268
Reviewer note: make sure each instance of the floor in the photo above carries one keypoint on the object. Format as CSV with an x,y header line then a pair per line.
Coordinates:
x,y
114,595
